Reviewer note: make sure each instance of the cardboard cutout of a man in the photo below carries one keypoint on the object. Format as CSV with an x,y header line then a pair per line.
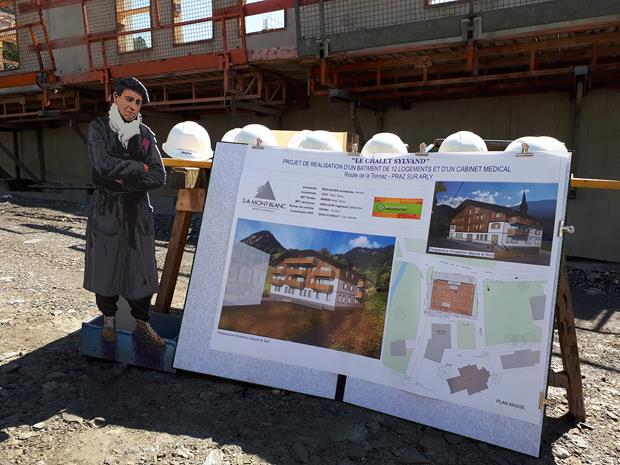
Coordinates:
x,y
120,243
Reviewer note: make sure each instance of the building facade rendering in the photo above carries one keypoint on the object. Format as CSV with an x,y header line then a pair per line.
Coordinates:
x,y
308,277
496,225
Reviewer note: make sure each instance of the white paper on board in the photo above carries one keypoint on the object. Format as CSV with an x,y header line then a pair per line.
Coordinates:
x,y
434,276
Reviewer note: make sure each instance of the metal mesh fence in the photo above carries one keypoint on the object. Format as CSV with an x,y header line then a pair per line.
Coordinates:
x,y
480,6
23,48
163,29
355,15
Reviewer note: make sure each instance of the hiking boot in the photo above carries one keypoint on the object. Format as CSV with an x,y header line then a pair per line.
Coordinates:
x,y
108,332
146,333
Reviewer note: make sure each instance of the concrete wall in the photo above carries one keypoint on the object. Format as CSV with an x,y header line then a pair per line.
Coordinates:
x,y
281,38
360,24
592,212
63,22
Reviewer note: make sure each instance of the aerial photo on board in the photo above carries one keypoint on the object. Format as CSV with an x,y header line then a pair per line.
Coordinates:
x,y
511,222
311,286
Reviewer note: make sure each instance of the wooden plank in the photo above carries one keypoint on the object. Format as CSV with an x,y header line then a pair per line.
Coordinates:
x,y
565,323
183,178
187,163
191,200
558,379
18,162
284,137
170,273
586,183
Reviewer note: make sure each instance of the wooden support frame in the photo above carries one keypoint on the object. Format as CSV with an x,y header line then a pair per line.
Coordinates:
x,y
570,377
188,201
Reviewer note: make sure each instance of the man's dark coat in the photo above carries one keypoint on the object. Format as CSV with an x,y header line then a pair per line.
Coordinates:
x,y
120,243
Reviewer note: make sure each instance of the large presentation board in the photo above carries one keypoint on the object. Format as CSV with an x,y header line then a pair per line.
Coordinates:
x,y
426,282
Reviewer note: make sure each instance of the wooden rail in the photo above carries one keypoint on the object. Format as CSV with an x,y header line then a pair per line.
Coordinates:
x,y
585,183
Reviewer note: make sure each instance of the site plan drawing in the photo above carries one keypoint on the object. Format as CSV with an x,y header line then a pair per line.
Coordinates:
x,y
466,334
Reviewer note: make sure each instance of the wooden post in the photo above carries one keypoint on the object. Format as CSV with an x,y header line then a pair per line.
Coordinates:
x,y
570,377
188,202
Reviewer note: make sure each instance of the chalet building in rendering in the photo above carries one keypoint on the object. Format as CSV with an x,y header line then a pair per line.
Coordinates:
x,y
308,277
486,223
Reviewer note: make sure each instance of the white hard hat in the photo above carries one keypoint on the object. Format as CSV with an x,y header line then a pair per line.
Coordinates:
x,y
297,139
463,141
554,144
536,144
384,143
315,140
188,140
230,135
252,132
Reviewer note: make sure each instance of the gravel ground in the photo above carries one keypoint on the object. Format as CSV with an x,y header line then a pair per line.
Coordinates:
x,y
58,407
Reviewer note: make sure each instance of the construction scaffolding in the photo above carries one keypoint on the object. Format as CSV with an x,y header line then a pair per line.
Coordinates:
x,y
194,55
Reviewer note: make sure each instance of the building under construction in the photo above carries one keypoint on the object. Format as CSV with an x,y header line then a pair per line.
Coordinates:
x,y
419,68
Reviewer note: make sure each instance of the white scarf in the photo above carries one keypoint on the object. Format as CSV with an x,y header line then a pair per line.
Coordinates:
x,y
125,131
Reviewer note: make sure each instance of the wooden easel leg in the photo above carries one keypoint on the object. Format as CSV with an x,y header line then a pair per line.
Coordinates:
x,y
174,256
570,377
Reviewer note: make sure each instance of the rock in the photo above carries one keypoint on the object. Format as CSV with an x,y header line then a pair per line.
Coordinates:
x,y
38,426
205,395
214,457
32,372
97,422
561,453
578,441
299,453
275,391
10,368
412,456
433,444
56,376
8,355
70,418
356,453
26,435
594,291
373,426
12,378
583,425
573,461
613,416
49,386
354,433
182,452
453,439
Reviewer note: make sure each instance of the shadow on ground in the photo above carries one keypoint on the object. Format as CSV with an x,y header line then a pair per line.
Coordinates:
x,y
56,378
